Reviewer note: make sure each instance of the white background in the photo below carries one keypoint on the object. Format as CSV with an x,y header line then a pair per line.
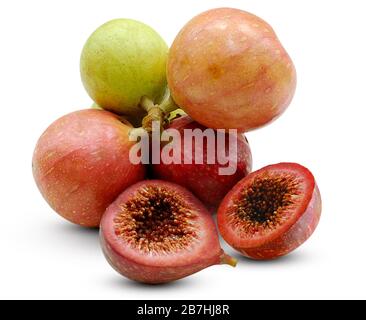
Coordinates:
x,y
43,256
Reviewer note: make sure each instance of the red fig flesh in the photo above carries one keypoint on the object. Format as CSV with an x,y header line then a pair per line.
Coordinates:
x,y
156,232
81,164
271,212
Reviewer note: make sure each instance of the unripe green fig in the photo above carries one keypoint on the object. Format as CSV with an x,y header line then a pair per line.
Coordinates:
x,y
121,62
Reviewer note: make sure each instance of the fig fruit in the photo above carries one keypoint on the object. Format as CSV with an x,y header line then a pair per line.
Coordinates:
x,y
122,61
204,179
271,212
157,231
81,164
227,69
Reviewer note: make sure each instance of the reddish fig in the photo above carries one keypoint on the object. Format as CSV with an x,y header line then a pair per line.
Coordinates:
x,y
227,69
204,179
81,164
271,212
156,232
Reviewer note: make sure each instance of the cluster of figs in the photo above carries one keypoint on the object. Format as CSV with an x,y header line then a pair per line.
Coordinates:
x,y
226,69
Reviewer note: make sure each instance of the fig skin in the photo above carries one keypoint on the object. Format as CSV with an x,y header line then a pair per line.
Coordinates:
x,y
203,180
281,242
227,69
162,267
81,164
122,61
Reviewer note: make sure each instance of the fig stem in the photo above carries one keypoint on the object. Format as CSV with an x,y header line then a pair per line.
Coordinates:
x,y
226,259
147,104
176,114
168,105
156,112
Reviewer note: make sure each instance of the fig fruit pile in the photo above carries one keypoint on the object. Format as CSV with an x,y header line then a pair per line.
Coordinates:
x,y
227,72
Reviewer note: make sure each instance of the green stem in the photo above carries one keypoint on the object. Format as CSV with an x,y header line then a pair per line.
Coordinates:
x,y
147,104
156,112
176,114
168,105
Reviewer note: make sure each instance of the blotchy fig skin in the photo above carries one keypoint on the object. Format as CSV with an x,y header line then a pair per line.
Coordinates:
x,y
203,180
81,164
162,267
282,243
227,69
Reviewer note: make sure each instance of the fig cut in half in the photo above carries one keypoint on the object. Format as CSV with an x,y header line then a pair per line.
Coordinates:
x,y
157,232
271,212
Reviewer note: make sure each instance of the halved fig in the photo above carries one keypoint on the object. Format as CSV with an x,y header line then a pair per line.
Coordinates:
x,y
156,232
271,212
